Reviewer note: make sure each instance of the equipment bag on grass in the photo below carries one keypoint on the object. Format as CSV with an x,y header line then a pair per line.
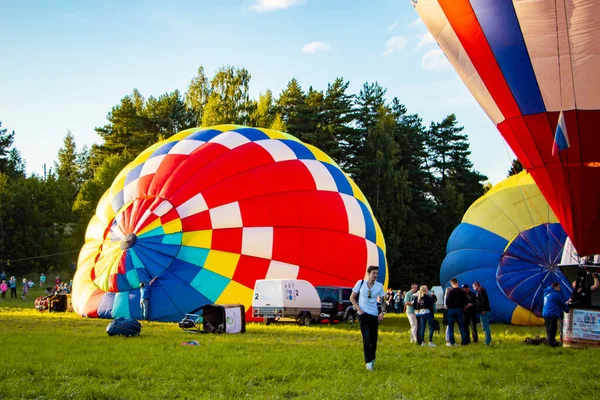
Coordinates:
x,y
124,327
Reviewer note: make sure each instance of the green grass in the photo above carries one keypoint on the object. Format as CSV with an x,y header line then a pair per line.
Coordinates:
x,y
61,355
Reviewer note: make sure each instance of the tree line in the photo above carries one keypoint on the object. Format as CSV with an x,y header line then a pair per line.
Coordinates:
x,y
418,179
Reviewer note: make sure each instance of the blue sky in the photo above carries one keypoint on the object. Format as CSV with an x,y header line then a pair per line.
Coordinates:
x,y
64,64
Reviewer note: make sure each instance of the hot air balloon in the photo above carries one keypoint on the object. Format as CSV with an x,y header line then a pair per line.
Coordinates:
x,y
510,241
527,63
209,211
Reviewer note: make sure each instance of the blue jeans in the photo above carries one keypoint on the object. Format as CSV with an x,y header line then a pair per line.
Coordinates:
x,y
485,326
144,305
456,315
423,320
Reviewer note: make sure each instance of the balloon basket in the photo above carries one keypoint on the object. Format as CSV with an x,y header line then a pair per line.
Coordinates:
x,y
581,329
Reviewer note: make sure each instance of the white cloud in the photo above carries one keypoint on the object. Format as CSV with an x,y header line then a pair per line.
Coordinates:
x,y
273,5
395,43
314,47
392,26
426,39
434,60
416,22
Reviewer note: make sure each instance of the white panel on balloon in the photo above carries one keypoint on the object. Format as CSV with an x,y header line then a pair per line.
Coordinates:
x,y
186,146
321,175
356,219
226,216
230,139
281,270
258,242
277,149
193,206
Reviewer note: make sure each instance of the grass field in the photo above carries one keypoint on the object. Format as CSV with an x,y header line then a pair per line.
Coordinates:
x,y
61,355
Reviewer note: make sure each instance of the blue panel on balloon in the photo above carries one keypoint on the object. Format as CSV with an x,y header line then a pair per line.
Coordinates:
x,y
210,284
184,270
171,299
165,251
371,233
121,305
467,236
164,149
148,261
461,261
158,231
382,266
106,305
133,174
117,201
204,135
501,27
341,181
299,149
252,134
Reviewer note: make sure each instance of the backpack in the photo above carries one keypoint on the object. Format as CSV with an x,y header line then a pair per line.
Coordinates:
x,y
124,327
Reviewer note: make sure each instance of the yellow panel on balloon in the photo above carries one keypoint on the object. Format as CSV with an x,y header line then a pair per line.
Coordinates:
x,y
201,239
380,242
222,263
153,225
358,194
522,316
521,204
173,226
321,156
236,293
273,134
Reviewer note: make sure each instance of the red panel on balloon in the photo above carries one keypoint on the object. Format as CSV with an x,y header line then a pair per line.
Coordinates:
x,y
325,250
255,212
243,185
197,222
174,189
464,22
91,306
524,136
287,245
249,269
169,164
229,240
327,211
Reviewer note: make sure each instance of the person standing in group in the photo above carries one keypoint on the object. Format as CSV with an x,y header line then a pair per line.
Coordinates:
x,y
483,308
456,301
410,313
364,297
470,314
12,283
554,306
398,301
145,298
3,289
42,280
25,289
424,310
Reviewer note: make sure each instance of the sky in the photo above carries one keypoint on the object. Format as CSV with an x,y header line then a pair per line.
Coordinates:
x,y
64,64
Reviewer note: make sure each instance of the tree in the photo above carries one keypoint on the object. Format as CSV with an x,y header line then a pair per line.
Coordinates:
x,y
515,167
6,142
67,168
228,101
262,111
197,95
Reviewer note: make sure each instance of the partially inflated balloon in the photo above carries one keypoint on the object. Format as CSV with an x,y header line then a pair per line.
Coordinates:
x,y
210,211
510,241
526,62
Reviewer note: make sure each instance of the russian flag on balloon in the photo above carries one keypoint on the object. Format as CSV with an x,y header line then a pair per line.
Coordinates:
x,y
561,140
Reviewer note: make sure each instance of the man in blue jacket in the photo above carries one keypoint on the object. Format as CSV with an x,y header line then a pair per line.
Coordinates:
x,y
554,306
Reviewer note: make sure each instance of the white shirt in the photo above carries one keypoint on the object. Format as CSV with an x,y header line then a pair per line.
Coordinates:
x,y
368,305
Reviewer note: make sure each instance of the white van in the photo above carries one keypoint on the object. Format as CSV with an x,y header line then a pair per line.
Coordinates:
x,y
439,293
274,299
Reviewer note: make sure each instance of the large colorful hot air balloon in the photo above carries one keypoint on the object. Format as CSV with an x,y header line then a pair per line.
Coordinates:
x,y
510,241
210,211
526,62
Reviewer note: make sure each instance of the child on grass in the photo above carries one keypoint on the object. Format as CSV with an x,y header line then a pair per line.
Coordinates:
x,y
3,288
25,289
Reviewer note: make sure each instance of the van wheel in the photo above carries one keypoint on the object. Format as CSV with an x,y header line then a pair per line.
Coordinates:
x,y
350,318
306,320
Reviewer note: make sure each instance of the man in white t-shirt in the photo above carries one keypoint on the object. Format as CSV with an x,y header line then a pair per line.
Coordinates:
x,y
364,297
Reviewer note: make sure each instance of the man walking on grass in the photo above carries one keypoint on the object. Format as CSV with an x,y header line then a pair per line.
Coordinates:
x,y
364,297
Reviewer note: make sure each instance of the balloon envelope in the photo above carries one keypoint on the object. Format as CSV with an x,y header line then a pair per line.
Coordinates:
x,y
510,241
526,62
209,211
